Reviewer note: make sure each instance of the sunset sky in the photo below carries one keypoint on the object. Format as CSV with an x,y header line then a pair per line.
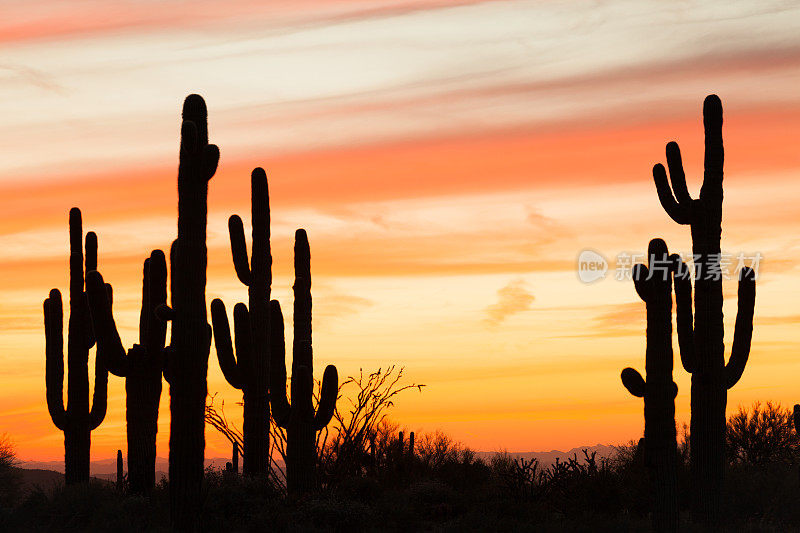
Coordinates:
x,y
449,160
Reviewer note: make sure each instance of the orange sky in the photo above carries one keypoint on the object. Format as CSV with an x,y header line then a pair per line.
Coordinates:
x,y
449,161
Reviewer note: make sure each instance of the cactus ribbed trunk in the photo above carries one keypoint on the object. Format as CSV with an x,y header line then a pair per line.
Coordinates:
x,y
701,344
142,402
299,419
77,420
187,356
249,370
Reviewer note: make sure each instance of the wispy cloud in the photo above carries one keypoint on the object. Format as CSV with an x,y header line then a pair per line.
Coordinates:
x,y
512,299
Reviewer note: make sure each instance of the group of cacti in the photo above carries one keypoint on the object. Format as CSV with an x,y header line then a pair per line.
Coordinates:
x,y
258,368
700,337
258,365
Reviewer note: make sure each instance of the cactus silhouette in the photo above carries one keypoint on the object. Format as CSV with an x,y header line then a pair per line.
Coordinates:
x,y
796,418
141,367
298,418
235,458
249,370
701,345
186,359
654,286
120,475
76,421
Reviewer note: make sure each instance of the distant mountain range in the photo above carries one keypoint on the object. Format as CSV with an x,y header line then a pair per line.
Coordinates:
x,y
107,468
548,458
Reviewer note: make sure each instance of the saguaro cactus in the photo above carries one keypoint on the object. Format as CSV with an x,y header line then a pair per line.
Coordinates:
x,y
76,421
186,359
701,346
654,286
299,419
141,366
249,370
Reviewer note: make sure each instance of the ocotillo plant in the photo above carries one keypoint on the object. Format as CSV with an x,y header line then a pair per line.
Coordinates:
x,y
186,359
120,475
141,367
701,346
654,286
76,421
299,418
249,370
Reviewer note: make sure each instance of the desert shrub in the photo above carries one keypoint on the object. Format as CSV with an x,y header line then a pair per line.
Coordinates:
x,y
762,435
9,477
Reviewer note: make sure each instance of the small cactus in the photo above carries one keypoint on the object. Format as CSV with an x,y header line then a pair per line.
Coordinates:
x,y
235,458
120,475
249,370
141,367
654,286
299,418
701,344
76,421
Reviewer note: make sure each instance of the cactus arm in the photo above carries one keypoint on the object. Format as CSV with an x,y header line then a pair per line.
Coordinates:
x,y
90,260
281,410
683,312
166,361
147,306
222,340
633,381
239,249
676,212
110,352
54,352
100,396
677,176
743,332
711,192
243,341
155,334
327,398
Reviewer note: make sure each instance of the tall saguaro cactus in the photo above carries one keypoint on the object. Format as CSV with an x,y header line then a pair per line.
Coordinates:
x,y
141,366
702,348
654,286
299,418
249,370
76,421
186,359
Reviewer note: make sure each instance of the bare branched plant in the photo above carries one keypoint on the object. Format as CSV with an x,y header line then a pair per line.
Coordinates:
x,y
359,437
